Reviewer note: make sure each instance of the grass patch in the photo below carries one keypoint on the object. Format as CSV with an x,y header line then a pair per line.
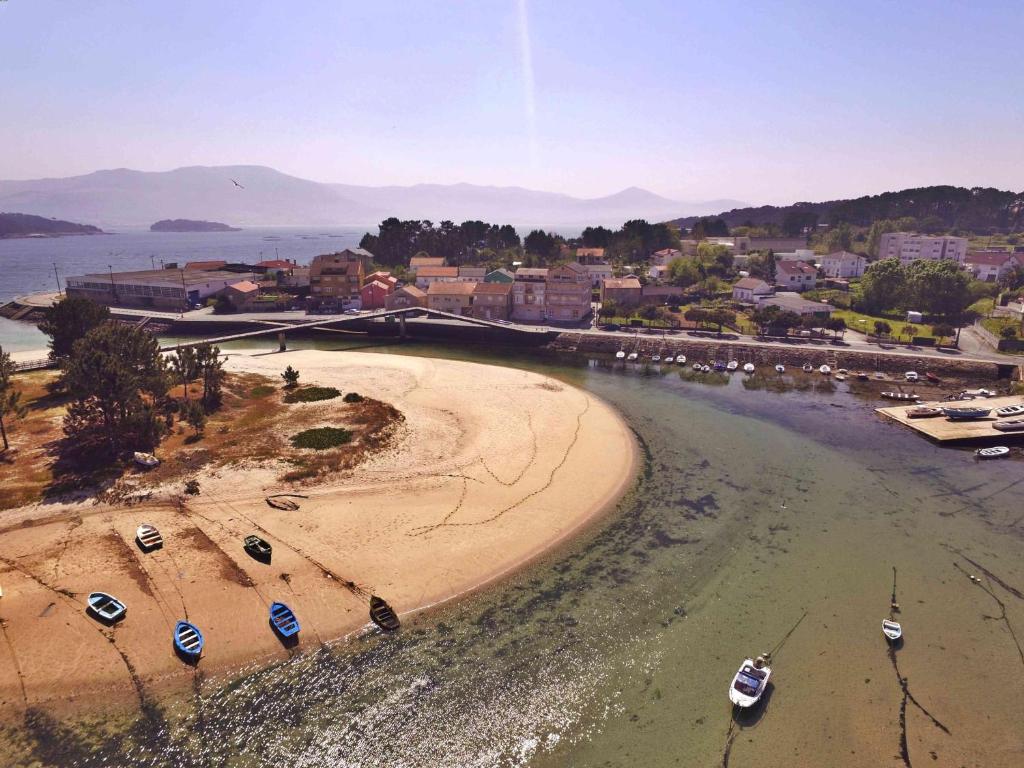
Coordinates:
x,y
858,321
321,438
353,397
311,394
261,390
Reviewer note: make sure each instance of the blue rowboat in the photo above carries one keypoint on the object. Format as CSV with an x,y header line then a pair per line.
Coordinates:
x,y
106,607
283,620
188,639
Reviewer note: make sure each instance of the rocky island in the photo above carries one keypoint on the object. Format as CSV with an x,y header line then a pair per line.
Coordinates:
x,y
190,225
27,225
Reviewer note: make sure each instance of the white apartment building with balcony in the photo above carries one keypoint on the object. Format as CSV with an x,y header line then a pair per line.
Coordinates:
x,y
909,247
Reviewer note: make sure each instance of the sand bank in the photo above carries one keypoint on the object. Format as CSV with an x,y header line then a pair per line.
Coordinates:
x,y
490,467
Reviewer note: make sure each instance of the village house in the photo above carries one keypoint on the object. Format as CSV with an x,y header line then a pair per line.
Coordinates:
x,y
425,261
795,275
374,294
335,280
492,301
384,277
240,294
991,265
665,256
751,289
405,297
660,294
425,276
528,291
624,291
800,254
843,264
568,293
456,298
500,275
157,288
472,274
794,302
597,273
587,256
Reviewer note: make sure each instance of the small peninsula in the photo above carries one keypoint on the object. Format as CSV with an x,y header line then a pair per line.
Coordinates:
x,y
27,225
190,225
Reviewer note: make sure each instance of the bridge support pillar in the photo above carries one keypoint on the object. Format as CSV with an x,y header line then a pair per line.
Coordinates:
x,y
281,345
401,326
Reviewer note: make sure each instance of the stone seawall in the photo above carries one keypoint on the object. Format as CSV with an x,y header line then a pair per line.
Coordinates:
x,y
708,349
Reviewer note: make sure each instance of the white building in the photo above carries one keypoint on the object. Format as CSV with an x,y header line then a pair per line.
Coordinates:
x,y
800,254
990,266
909,248
751,289
843,264
795,275
598,272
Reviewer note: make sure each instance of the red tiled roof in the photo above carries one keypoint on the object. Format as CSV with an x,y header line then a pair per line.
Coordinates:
x,y
275,264
750,283
795,267
437,272
451,288
988,258
244,286
621,282
492,287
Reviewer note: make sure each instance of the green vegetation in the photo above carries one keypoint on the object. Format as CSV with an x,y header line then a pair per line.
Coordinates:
x,y
291,377
353,397
636,240
10,398
195,416
321,438
865,323
201,362
312,394
261,390
68,320
397,241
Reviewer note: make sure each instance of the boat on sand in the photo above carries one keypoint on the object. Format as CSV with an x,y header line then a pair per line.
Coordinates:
x,y
750,681
283,620
901,396
145,460
383,615
188,640
995,452
258,548
148,537
892,630
106,608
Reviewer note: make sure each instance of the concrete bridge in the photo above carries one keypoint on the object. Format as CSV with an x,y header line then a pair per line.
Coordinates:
x,y
337,323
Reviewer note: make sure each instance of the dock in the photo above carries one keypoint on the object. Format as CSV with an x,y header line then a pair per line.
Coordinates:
x,y
942,430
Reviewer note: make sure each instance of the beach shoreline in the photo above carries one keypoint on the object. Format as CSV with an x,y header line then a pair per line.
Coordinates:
x,y
494,468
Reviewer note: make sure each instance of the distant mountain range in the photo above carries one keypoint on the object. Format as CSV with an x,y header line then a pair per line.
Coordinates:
x,y
24,225
255,195
978,209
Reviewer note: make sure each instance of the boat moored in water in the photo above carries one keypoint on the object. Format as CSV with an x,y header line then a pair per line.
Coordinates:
x,y
106,608
681,359
892,630
620,355
995,452
749,683
824,370
632,356
670,359
732,365
808,368
780,368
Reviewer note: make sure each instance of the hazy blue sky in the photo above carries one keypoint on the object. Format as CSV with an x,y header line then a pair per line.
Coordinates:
x,y
764,102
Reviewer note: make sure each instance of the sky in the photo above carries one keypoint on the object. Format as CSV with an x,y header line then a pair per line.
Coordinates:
x,y
763,102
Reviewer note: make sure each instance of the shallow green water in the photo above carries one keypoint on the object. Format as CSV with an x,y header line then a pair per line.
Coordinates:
x,y
755,507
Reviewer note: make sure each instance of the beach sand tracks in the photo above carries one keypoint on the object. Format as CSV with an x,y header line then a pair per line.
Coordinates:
x,y
229,569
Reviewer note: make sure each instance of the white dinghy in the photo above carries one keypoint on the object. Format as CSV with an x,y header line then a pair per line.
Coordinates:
x,y
892,630
749,682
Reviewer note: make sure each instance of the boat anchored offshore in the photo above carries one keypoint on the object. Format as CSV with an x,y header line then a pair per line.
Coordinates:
x,y
283,620
892,630
106,607
995,452
148,537
749,682
188,640
383,615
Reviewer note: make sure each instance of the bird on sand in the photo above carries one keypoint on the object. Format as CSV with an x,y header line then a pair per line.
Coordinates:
x,y
237,184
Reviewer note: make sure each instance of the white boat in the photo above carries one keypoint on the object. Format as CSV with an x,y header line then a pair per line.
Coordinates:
x,y
705,369
824,370
808,368
732,365
748,367
839,376
620,355
879,375
995,452
1010,410
901,396
670,359
749,683
842,371
696,366
681,359
149,537
656,359
632,356
147,460
892,630
780,368
911,376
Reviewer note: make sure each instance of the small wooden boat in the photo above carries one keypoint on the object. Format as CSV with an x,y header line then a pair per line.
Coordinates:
x,y
719,366
621,355
839,376
901,396
670,359
106,607
749,682
188,640
824,370
258,548
932,377
705,368
383,615
283,620
632,356
148,537
995,452
1010,425
732,365
923,412
911,376
892,630
697,366
145,460
965,413
862,376
808,368
656,359
1010,410
842,371
681,359
748,367
879,375
780,368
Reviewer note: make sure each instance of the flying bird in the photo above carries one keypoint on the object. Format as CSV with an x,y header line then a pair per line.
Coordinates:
x,y
237,184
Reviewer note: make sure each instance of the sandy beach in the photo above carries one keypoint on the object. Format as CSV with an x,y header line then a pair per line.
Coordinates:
x,y
490,467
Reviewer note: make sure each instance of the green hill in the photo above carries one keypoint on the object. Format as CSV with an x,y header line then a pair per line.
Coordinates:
x,y
27,225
